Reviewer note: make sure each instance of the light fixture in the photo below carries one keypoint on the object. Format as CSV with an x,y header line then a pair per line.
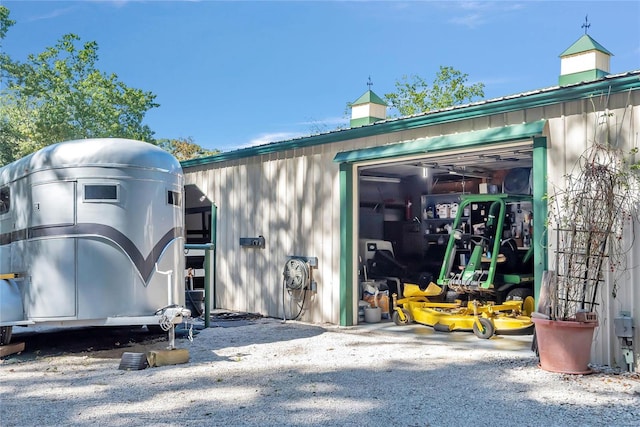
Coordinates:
x,y
466,174
387,179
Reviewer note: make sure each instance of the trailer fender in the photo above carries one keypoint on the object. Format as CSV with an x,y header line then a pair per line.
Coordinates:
x,y
11,308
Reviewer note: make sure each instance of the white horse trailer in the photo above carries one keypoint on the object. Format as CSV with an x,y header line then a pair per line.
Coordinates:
x,y
91,234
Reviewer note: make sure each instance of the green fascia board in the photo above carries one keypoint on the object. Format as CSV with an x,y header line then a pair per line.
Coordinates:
x,y
584,44
540,98
583,76
443,142
346,245
369,97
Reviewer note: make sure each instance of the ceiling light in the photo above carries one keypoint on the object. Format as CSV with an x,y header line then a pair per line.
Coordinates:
x,y
387,179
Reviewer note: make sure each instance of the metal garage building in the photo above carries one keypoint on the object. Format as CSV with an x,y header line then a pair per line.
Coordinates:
x,y
316,196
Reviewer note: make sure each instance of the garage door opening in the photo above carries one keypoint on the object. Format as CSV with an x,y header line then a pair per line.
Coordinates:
x,y
407,210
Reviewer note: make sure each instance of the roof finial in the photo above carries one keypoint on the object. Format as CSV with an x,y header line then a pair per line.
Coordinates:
x,y
586,24
369,83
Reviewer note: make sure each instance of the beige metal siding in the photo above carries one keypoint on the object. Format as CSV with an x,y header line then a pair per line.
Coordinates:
x,y
290,198
569,136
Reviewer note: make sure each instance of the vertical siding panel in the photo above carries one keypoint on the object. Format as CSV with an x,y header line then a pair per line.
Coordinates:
x,y
272,277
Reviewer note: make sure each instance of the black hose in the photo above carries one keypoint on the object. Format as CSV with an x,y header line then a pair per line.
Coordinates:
x,y
193,304
284,312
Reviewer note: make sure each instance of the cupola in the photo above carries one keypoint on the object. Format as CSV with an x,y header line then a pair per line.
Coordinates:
x,y
585,60
367,109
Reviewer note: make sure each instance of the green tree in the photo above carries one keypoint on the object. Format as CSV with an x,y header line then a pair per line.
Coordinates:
x,y
413,94
185,148
60,95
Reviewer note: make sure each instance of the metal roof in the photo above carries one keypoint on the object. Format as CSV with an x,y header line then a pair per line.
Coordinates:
x,y
369,97
584,44
532,99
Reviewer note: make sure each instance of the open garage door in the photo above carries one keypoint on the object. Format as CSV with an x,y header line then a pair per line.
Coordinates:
x,y
403,197
407,211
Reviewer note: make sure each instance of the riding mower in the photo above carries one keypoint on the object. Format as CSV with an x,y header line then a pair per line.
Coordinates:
x,y
491,291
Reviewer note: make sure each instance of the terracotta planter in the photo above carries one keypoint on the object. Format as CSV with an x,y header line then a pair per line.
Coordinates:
x,y
564,346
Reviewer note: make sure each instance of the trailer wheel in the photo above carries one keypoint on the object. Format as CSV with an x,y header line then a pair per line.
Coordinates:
x,y
5,334
398,321
487,329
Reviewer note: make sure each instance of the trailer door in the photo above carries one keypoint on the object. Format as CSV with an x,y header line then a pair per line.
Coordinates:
x,y
52,251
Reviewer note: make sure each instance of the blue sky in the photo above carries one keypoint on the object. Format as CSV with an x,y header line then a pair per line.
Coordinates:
x,y
235,74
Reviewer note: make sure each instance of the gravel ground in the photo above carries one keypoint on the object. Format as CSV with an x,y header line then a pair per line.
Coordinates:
x,y
263,372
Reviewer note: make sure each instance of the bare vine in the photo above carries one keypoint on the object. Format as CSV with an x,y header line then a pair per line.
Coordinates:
x,y
599,204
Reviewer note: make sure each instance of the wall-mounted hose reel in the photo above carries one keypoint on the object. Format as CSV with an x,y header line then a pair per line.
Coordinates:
x,y
296,281
296,274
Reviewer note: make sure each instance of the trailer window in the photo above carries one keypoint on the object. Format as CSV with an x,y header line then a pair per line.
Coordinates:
x,y
173,198
100,192
4,200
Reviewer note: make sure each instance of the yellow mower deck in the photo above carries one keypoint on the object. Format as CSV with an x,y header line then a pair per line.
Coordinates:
x,y
485,320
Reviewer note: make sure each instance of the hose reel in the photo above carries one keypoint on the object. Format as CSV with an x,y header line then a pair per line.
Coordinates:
x,y
296,274
296,280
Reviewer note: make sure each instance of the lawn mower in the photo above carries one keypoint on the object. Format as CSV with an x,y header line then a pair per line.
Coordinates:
x,y
490,277
484,319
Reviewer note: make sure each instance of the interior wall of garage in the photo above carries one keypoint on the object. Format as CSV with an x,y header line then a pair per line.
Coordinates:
x,y
570,133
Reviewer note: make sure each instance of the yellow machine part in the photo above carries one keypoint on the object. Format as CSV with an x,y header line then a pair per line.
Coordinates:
x,y
511,317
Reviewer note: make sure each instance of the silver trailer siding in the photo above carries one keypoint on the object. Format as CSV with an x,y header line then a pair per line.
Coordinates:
x,y
84,227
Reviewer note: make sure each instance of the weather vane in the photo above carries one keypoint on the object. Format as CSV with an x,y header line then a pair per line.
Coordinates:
x,y
586,24
369,83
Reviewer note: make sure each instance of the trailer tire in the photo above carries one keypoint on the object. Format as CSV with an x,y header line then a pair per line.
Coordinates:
x,y
487,329
5,334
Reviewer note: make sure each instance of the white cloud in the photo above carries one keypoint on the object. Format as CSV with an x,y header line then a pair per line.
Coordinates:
x,y
267,138
473,20
53,14
475,14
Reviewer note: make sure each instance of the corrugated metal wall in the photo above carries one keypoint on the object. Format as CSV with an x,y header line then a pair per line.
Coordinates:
x,y
292,199
569,136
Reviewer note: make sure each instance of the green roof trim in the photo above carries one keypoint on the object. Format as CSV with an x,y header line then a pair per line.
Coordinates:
x,y
369,97
609,84
584,44
444,142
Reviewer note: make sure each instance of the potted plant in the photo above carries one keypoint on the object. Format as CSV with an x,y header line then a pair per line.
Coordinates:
x,y
587,219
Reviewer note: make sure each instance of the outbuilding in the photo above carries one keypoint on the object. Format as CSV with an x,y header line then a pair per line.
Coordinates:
x,y
321,198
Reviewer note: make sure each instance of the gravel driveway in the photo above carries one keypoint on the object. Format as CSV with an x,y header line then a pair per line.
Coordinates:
x,y
263,372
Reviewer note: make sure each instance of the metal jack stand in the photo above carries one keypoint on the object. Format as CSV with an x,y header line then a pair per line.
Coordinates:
x,y
172,355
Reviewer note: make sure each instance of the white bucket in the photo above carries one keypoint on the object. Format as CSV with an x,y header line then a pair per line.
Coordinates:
x,y
443,210
453,210
372,314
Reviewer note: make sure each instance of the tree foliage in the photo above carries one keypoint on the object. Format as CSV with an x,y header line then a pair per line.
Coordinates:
x,y
60,95
185,148
413,94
